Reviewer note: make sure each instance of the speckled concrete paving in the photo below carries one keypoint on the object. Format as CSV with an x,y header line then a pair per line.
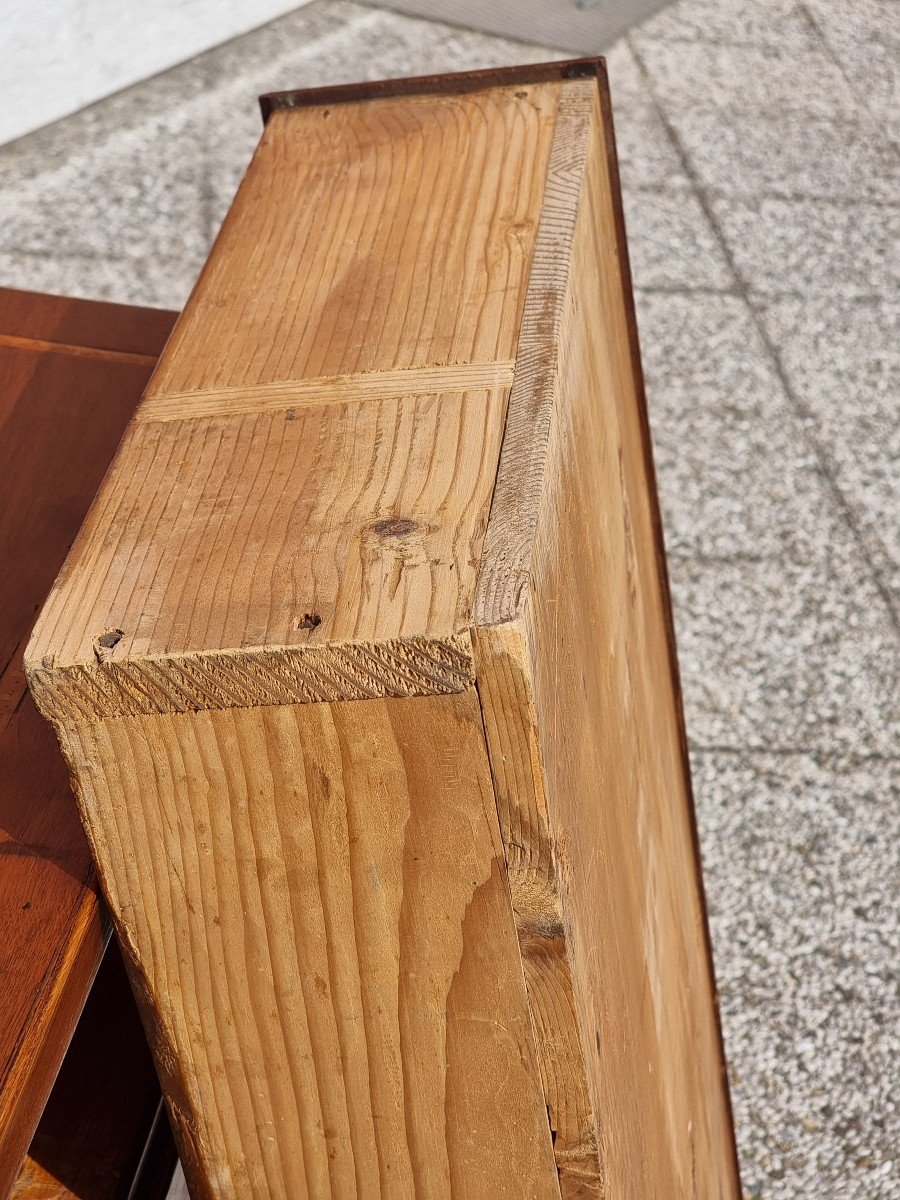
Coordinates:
x,y
760,165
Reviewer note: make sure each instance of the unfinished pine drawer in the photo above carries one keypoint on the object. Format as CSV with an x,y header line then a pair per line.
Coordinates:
x,y
363,667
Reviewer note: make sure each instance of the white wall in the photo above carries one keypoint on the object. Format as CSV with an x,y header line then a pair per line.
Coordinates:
x,y
582,26
56,56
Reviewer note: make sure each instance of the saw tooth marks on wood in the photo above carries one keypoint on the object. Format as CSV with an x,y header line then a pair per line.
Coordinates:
x,y
317,894
504,573
255,677
401,239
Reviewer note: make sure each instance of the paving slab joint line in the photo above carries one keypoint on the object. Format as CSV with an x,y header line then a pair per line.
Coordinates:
x,y
676,554
821,757
838,203
698,289
61,254
861,98
807,416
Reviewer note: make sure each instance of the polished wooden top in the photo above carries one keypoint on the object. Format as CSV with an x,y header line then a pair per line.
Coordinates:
x,y
71,373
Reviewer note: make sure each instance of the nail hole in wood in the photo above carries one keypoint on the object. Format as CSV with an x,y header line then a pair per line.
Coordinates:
x,y
394,527
106,642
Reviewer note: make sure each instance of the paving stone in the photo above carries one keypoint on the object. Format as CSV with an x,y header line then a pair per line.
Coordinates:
x,y
264,50
804,920
789,155
647,156
362,43
154,283
762,23
335,41
139,197
168,151
737,474
727,78
671,243
864,37
787,655
812,248
91,128
843,363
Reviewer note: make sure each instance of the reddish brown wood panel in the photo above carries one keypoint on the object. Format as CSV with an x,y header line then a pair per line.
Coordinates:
x,y
104,1134
85,324
71,372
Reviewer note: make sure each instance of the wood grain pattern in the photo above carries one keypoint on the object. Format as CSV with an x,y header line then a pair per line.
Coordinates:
x,y
312,902
405,926
61,416
407,242
267,558
399,246
510,723
607,720
504,571
258,676
347,534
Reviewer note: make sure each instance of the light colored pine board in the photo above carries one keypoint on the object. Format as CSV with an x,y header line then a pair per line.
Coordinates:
x,y
337,389
503,574
606,722
371,236
510,723
373,249
313,905
332,533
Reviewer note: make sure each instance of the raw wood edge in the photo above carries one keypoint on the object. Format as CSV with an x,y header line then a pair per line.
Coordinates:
x,y
251,677
505,568
452,83
612,165
507,707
